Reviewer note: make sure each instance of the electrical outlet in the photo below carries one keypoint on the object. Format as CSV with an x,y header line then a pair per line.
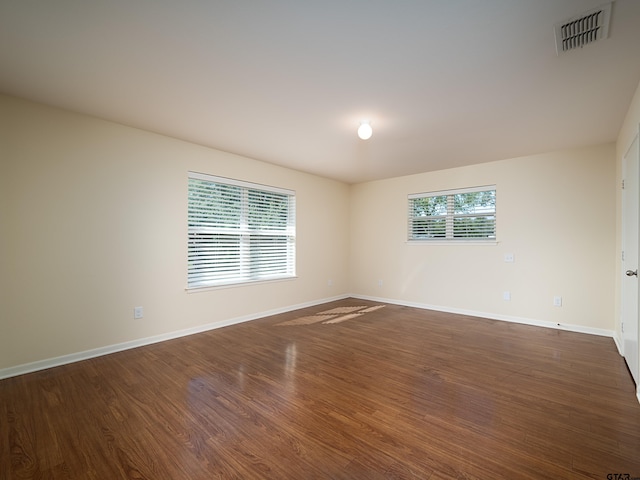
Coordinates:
x,y
557,301
509,257
330,283
506,296
380,283
138,312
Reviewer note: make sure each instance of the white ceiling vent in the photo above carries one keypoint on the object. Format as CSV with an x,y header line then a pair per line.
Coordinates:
x,y
586,28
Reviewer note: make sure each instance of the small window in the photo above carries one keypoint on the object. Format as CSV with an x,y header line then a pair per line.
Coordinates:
x,y
238,232
466,214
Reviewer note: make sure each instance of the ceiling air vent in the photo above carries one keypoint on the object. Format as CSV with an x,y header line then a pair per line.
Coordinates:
x,y
587,28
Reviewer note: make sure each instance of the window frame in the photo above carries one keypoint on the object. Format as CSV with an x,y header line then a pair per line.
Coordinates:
x,y
450,217
248,234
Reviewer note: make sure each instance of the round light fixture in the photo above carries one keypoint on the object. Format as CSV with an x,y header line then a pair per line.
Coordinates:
x,y
364,130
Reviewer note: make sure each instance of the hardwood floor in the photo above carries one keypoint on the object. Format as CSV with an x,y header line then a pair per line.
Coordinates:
x,y
394,392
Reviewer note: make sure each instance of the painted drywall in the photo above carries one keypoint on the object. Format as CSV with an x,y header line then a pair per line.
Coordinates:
x,y
629,128
555,214
93,219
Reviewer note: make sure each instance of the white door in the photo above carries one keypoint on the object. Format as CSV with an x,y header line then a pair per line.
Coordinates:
x,y
630,283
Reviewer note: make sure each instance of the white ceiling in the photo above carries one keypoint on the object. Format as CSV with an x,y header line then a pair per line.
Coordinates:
x,y
445,83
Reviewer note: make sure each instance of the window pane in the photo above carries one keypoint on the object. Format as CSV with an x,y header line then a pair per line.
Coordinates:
x,y
474,227
428,206
269,256
268,210
214,204
475,202
213,258
423,228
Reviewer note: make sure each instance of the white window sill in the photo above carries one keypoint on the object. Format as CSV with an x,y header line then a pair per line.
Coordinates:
x,y
451,242
208,288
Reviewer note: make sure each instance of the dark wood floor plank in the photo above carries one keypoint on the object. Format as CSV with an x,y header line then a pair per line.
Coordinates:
x,y
394,392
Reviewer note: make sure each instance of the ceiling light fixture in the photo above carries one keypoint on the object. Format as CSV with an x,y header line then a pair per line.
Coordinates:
x,y
364,130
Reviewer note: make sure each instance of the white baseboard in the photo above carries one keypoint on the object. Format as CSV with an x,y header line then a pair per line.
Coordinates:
x,y
618,343
492,316
97,352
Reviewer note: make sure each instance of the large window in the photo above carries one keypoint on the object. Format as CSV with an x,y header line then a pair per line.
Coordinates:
x,y
239,232
454,215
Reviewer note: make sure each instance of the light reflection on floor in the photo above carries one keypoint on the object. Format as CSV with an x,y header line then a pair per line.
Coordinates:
x,y
333,316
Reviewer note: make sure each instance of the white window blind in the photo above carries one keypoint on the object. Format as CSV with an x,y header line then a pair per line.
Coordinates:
x,y
453,215
238,232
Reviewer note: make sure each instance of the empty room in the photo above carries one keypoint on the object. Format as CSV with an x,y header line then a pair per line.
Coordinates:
x,y
319,240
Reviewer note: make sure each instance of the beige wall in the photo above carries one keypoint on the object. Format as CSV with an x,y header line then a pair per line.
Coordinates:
x,y
630,126
93,219
555,213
